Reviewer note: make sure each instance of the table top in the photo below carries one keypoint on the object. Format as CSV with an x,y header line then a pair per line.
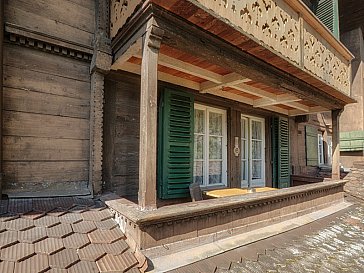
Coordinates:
x,y
234,191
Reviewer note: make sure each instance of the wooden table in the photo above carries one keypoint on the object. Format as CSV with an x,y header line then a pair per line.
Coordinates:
x,y
234,191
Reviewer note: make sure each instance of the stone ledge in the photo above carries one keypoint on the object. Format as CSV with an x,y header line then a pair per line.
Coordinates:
x,y
181,226
168,213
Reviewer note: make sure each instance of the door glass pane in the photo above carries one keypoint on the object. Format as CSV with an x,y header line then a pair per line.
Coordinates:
x,y
243,150
199,140
244,174
215,172
256,149
199,121
198,172
215,148
215,124
257,169
256,129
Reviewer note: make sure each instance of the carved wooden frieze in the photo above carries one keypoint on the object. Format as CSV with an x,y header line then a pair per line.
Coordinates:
x,y
324,62
120,11
272,22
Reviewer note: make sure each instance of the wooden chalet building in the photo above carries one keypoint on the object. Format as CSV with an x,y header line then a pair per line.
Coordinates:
x,y
142,98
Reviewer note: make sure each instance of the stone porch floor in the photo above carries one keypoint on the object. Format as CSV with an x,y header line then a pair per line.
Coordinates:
x,y
62,235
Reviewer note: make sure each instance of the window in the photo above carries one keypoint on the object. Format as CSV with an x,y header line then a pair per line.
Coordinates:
x,y
210,153
252,152
321,158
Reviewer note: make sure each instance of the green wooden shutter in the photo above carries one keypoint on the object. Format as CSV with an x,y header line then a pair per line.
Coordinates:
x,y
175,144
280,152
311,146
328,12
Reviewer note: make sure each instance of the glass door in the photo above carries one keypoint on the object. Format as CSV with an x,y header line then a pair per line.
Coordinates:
x,y
252,152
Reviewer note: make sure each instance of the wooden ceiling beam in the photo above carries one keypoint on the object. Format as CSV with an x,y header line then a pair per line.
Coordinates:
x,y
298,106
227,81
280,99
312,110
134,49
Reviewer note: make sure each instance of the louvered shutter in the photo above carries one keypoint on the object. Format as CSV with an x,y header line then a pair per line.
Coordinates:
x,y
311,146
328,12
280,152
175,144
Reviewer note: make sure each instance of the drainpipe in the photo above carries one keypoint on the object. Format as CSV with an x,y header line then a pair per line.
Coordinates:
x,y
1,91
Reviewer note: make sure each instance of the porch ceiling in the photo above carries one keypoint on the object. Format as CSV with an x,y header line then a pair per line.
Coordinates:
x,y
184,69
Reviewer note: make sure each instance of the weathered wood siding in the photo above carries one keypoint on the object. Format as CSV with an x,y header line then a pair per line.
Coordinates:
x,y
46,109
46,121
121,135
68,20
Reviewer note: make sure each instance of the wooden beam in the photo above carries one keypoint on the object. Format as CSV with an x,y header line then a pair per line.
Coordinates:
x,y
189,69
134,49
311,110
336,143
147,196
232,96
136,69
298,106
280,99
255,91
276,109
226,81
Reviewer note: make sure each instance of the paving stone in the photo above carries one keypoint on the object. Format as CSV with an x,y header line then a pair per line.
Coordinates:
x,y
8,217
106,224
33,215
63,259
76,241
19,224
8,238
2,226
57,270
6,266
32,235
97,215
91,252
71,218
116,248
84,227
57,212
20,206
17,252
134,270
78,209
44,204
84,267
105,236
59,231
36,264
119,263
49,246
47,221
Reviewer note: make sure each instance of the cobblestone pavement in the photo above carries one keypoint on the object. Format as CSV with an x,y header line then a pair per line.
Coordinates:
x,y
61,235
338,247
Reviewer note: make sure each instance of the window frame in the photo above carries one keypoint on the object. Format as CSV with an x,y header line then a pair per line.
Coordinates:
x,y
206,159
320,149
249,140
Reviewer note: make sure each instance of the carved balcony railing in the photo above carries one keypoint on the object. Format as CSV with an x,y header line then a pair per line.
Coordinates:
x,y
286,27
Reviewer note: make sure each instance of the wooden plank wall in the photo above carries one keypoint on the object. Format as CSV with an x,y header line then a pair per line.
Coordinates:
x,y
121,135
47,100
46,119
68,20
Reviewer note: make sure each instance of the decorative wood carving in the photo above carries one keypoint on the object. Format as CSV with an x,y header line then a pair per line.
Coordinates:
x,y
324,62
120,11
272,22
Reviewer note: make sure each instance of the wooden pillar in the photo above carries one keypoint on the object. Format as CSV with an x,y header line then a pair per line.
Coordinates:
x,y
147,197
336,143
100,65
1,92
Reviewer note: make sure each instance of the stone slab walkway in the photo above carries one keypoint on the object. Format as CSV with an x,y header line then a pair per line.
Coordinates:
x,y
62,235
332,245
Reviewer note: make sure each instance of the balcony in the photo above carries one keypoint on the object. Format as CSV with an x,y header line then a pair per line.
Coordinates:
x,y
285,34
